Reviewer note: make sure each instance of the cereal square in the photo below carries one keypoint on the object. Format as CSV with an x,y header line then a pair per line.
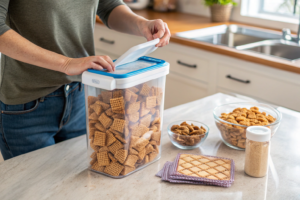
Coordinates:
x,y
146,120
110,138
105,106
92,100
103,159
100,127
115,146
127,170
140,144
133,107
144,111
99,139
121,155
97,108
105,120
106,96
117,105
140,130
117,93
114,169
134,117
151,102
118,125
145,90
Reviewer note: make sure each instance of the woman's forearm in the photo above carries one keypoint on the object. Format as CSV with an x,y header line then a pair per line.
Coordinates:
x,y
15,46
124,20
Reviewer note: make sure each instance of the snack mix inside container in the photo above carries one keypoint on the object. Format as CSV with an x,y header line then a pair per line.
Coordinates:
x,y
124,127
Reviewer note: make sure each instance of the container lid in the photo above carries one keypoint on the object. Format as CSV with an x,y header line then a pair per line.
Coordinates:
x,y
132,68
258,133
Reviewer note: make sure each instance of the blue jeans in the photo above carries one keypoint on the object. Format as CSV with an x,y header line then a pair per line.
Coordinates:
x,y
46,121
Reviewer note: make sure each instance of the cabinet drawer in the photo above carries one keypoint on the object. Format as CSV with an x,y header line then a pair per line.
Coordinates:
x,y
180,90
261,86
185,65
114,42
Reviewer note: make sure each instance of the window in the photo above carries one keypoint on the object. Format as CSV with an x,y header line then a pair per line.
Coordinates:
x,y
287,8
275,10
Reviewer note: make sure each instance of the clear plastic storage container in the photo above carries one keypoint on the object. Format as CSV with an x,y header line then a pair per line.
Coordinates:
x,y
124,112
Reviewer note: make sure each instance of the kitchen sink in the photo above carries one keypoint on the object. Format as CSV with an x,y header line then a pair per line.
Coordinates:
x,y
230,35
279,48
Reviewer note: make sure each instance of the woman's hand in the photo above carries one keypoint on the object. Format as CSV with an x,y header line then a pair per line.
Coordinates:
x,y
76,66
152,29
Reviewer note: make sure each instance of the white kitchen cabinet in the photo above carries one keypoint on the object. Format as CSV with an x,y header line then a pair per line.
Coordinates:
x,y
180,90
99,53
195,73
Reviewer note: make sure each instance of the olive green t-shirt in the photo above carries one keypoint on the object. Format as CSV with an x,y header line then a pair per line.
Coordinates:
x,y
62,26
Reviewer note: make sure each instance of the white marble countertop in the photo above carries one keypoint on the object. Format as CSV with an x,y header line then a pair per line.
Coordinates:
x,y
60,171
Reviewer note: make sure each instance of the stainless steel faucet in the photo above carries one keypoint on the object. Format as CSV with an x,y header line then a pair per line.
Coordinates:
x,y
286,35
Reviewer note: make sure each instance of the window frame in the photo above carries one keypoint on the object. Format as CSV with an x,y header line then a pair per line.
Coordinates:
x,y
293,15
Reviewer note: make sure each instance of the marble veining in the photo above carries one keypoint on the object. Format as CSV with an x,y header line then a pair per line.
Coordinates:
x,y
60,171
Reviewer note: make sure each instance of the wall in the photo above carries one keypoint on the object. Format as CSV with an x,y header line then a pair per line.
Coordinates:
x,y
197,7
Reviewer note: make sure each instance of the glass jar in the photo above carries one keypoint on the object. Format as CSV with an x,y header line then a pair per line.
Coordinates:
x,y
257,151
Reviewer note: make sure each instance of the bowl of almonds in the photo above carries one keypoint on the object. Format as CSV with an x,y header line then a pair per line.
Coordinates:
x,y
187,134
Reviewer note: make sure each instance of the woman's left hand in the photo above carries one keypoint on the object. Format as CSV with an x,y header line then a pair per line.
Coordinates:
x,y
152,29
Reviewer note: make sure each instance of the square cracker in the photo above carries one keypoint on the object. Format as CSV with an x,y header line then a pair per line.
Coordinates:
x,y
91,100
110,138
156,136
144,111
133,107
106,96
97,167
134,89
152,156
105,106
100,127
97,108
109,112
142,154
140,144
93,116
117,93
140,130
146,120
118,125
127,170
134,117
149,148
115,146
103,159
114,169
121,155
145,90
105,120
118,105
99,138
151,102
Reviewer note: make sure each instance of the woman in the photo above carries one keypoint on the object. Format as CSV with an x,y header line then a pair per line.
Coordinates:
x,y
46,45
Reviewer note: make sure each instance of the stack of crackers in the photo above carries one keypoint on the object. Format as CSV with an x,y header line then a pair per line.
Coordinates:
x,y
199,170
124,129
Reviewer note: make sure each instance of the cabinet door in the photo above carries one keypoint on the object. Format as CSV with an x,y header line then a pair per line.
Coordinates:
x,y
180,90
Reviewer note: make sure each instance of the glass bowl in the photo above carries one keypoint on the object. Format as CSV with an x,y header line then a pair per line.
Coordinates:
x,y
187,141
234,135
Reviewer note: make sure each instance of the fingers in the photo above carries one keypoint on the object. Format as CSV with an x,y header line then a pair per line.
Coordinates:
x,y
95,66
103,62
148,35
166,38
109,60
160,29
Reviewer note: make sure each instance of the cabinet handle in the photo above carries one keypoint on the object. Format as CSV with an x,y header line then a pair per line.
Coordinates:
x,y
237,79
107,41
185,64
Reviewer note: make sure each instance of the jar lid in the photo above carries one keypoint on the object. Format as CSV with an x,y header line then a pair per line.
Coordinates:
x,y
258,133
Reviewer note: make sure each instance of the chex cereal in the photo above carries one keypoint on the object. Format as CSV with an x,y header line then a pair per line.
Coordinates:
x,y
146,120
97,108
151,102
105,120
124,128
118,105
145,90
110,138
115,146
144,111
106,96
105,106
121,155
114,169
117,93
99,138
118,125
103,159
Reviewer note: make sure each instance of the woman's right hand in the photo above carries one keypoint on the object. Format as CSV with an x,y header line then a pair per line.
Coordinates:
x,y
76,66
